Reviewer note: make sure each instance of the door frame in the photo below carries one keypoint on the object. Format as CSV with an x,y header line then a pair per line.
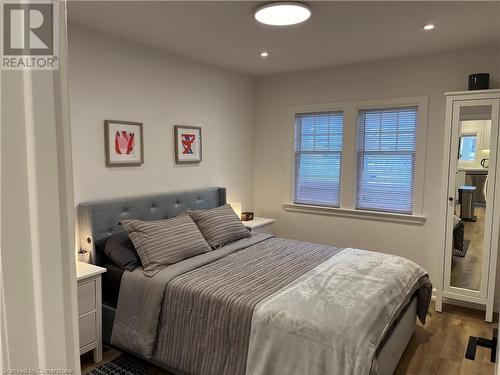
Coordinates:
x,y
48,338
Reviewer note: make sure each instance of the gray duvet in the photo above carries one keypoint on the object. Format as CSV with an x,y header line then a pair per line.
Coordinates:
x,y
267,305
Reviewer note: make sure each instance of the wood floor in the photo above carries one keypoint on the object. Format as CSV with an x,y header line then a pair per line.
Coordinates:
x,y
466,271
438,348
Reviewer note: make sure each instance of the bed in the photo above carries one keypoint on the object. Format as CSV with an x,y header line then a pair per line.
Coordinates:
x,y
178,319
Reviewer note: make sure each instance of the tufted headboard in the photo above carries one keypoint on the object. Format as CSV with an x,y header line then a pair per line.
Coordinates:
x,y
99,219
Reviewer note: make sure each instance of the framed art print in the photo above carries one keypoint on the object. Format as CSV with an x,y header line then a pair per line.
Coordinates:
x,y
123,143
187,144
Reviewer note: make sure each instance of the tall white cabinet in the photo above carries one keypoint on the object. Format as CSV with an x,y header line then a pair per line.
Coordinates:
x,y
470,242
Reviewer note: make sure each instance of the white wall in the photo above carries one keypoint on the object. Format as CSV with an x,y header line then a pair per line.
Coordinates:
x,y
114,79
410,77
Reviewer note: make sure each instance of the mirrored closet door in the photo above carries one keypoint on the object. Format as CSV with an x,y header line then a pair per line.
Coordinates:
x,y
472,205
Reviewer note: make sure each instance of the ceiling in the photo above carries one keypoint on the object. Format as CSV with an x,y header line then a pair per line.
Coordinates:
x,y
225,33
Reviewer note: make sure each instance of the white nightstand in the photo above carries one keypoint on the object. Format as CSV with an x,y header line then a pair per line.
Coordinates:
x,y
260,225
90,308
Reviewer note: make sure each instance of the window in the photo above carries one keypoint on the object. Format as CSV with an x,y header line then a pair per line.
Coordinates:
x,y
363,159
318,153
468,147
386,159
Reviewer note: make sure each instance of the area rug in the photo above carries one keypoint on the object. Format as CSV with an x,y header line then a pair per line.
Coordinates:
x,y
122,365
461,253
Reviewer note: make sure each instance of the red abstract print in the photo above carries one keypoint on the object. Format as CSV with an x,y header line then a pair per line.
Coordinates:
x,y
187,143
124,142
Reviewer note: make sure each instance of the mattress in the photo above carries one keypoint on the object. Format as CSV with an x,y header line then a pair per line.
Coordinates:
x,y
397,339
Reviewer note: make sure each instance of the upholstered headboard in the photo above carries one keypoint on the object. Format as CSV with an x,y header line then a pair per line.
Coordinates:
x,y
98,220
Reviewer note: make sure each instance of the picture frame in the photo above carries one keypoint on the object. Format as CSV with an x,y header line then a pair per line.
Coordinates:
x,y
188,144
123,141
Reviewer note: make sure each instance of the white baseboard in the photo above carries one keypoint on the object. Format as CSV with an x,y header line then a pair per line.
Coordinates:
x,y
470,305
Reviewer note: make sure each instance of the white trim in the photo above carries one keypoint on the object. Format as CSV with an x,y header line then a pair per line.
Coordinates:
x,y
65,164
495,216
465,298
444,200
348,172
473,94
4,360
34,214
356,214
469,305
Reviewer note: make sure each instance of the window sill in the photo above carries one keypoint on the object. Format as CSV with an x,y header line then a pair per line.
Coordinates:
x,y
355,214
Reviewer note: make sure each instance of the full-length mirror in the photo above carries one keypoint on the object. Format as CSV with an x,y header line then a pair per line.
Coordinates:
x,y
471,205
472,198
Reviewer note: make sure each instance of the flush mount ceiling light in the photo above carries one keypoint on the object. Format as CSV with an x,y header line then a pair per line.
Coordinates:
x,y
429,26
264,54
282,13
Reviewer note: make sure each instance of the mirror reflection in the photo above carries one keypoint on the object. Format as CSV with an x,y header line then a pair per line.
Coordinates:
x,y
470,197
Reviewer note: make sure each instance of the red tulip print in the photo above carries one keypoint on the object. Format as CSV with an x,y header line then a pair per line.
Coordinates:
x,y
124,142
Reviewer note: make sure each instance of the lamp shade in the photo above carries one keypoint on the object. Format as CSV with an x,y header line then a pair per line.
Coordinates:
x,y
236,206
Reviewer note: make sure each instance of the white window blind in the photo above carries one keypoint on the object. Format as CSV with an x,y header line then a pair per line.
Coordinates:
x,y
386,159
318,153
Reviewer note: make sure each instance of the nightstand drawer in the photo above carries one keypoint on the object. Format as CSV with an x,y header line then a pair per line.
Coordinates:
x,y
86,297
87,328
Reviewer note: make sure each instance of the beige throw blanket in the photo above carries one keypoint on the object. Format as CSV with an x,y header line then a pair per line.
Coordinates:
x,y
332,319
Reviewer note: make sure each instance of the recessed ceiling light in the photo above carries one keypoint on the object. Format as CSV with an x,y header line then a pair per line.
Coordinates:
x,y
429,26
264,54
282,13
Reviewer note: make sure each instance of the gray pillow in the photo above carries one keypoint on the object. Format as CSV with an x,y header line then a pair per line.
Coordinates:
x,y
120,249
160,243
220,225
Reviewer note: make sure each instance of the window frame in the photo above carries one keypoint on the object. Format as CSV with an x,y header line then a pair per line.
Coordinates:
x,y
297,152
349,160
359,151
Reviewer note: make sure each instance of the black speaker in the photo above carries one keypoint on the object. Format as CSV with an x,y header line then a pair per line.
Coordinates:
x,y
479,81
